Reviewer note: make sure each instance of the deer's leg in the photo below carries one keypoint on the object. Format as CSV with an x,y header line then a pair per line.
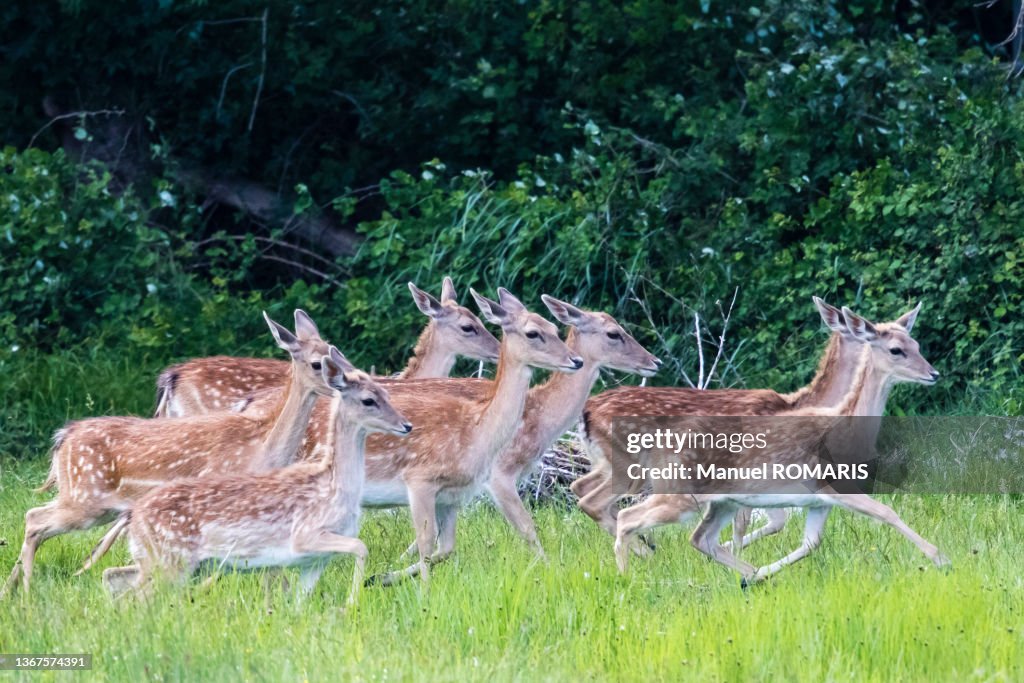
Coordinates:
x,y
115,532
706,538
503,490
582,485
42,523
447,515
422,502
327,542
740,522
777,518
814,527
866,505
598,503
657,510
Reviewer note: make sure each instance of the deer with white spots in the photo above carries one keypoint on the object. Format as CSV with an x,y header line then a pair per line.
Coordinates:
x,y
889,355
300,515
438,468
836,371
204,385
101,465
554,406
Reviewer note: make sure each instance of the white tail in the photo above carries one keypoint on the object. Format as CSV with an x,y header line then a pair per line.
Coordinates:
x,y
101,465
890,355
299,515
205,385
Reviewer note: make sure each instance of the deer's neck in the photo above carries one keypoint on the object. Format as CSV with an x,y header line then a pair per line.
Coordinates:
x,y
289,419
557,404
503,411
834,377
428,358
870,390
348,467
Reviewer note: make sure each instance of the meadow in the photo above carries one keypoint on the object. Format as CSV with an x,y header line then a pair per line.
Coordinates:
x,y
866,606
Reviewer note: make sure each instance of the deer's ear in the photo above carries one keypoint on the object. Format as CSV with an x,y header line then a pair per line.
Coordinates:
x,y
564,312
305,328
282,335
908,319
427,304
831,316
509,302
338,358
492,311
448,290
859,327
333,367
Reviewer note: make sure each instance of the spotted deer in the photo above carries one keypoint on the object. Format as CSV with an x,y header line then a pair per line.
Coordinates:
x,y
835,374
299,515
553,407
203,385
889,356
101,465
441,466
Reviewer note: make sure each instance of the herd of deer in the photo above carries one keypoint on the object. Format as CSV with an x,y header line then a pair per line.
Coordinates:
x,y
260,463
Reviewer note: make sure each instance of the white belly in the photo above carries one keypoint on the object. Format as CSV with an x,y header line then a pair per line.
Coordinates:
x,y
779,500
384,493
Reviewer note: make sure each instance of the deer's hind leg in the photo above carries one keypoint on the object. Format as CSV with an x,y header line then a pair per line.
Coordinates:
x,y
44,522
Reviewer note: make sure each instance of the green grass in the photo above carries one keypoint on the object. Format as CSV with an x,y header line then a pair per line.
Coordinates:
x,y
867,606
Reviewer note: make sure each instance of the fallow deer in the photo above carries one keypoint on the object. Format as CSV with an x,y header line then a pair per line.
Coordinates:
x,y
448,461
554,406
101,465
836,370
203,385
300,515
890,355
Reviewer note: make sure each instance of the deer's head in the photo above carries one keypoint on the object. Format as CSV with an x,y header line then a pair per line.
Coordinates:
x,y
527,337
893,351
601,341
460,330
306,349
364,402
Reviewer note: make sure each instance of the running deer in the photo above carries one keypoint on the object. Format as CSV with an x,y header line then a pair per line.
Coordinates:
x,y
439,468
101,465
300,515
836,370
890,356
204,385
554,406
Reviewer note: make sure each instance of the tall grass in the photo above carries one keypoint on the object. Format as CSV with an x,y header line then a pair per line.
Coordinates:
x,y
867,606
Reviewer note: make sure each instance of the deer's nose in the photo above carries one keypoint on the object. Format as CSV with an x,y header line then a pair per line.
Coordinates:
x,y
658,362
407,427
577,362
935,375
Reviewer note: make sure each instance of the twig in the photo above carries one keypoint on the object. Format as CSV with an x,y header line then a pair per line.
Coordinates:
x,y
263,69
721,337
71,115
302,267
700,351
224,84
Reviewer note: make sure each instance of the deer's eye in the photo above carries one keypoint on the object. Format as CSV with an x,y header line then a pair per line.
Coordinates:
x,y
369,402
469,329
315,366
896,351
533,334
615,335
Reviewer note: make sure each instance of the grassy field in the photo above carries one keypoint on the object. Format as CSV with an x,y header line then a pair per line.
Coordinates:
x,y
866,607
